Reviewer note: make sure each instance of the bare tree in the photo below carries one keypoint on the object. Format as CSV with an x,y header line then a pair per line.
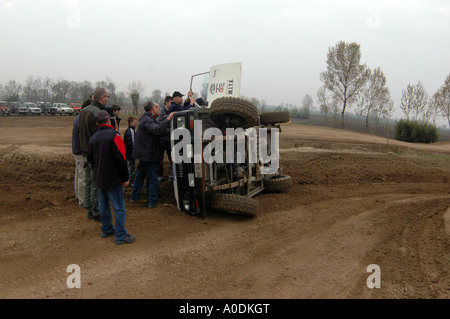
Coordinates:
x,y
101,84
263,104
326,103
134,90
431,112
74,92
361,107
86,90
441,99
11,91
255,102
157,97
345,76
60,90
307,102
374,94
32,88
45,93
121,98
414,101
112,88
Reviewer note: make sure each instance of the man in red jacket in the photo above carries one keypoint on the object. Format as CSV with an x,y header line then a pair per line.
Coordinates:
x,y
106,153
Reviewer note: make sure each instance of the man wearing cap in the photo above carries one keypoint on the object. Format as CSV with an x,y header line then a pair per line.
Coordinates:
x,y
106,153
177,99
146,149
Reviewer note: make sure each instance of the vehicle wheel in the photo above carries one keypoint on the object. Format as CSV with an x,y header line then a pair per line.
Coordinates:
x,y
234,203
279,183
233,112
272,117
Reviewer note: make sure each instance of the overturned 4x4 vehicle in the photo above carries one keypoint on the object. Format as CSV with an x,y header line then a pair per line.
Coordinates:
x,y
224,155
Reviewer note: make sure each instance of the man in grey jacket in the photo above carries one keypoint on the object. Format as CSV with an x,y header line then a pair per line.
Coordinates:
x,y
87,126
147,150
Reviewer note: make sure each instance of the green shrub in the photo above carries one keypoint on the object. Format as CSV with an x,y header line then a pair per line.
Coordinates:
x,y
416,132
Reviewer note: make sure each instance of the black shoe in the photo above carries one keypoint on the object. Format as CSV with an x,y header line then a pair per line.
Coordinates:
x,y
108,234
96,218
152,206
90,216
127,240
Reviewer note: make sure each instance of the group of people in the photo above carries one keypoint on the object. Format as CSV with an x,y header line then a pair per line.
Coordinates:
x,y
105,163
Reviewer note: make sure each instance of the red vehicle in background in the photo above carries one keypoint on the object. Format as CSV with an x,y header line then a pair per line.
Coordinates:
x,y
4,109
76,107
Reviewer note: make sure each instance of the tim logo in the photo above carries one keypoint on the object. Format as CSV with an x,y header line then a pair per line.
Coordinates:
x,y
226,87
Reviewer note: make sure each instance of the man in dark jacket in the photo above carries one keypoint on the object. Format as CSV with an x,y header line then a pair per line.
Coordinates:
x,y
177,99
146,150
164,141
87,127
128,139
106,153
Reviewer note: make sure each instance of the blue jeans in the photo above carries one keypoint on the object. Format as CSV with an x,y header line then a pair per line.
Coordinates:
x,y
115,196
144,169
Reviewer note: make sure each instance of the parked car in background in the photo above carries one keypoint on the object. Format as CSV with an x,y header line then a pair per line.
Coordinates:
x,y
63,109
4,109
76,107
47,108
14,106
29,108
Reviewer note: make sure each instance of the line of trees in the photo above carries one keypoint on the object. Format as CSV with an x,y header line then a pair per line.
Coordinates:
x,y
348,83
47,89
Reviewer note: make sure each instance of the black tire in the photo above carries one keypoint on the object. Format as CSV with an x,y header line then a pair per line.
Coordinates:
x,y
272,117
234,203
279,183
233,112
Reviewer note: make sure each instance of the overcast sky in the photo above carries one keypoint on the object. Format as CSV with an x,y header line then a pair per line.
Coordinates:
x,y
282,44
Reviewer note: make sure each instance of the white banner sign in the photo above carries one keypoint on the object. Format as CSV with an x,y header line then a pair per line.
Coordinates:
x,y
224,80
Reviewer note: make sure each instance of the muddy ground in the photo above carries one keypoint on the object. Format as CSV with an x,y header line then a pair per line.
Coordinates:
x,y
357,200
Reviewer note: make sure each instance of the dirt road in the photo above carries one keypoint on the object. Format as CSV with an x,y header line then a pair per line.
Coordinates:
x,y
357,200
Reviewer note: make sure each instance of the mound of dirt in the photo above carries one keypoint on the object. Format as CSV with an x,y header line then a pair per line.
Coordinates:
x,y
356,200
